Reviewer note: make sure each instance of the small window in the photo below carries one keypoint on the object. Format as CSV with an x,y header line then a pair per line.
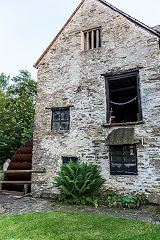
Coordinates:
x,y
123,160
123,98
92,39
67,159
60,119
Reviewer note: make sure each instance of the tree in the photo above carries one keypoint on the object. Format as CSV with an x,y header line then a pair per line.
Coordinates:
x,y
4,81
3,124
17,102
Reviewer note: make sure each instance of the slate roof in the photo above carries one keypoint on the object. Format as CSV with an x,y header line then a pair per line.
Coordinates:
x,y
157,28
149,29
121,136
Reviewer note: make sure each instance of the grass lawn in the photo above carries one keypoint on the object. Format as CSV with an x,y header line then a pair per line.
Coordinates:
x,y
79,226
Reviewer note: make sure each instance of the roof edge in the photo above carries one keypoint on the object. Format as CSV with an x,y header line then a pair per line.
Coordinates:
x,y
156,28
134,20
43,54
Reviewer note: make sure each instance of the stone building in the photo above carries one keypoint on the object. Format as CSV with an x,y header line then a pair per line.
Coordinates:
x,y
99,100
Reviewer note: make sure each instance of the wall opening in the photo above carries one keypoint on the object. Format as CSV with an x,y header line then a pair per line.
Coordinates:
x,y
123,98
92,38
123,160
60,118
66,160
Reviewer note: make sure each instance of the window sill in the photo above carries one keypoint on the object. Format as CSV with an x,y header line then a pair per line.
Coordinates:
x,y
124,174
89,49
60,131
122,124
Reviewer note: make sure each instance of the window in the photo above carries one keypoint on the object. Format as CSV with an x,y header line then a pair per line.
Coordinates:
x,y
67,159
92,39
123,98
123,160
61,118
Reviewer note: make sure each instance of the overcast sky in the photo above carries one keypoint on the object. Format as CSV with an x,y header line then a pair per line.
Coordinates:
x,y
28,26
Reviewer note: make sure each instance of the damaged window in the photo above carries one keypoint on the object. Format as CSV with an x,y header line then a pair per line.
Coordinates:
x,y
123,98
123,160
60,118
92,39
67,159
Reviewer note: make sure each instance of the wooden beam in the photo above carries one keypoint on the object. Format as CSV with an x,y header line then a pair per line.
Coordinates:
x,y
97,38
16,182
25,189
92,39
22,182
23,171
88,44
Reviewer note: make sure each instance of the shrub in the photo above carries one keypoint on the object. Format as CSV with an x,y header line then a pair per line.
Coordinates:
x,y
79,182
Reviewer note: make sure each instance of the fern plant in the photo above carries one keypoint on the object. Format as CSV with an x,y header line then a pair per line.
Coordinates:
x,y
79,182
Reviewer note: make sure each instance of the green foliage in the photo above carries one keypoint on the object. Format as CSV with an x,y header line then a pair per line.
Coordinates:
x,y
4,81
81,207
112,199
70,226
17,102
79,182
53,204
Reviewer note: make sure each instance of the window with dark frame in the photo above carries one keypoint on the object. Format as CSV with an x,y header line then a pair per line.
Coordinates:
x,y
92,38
123,160
123,98
60,119
67,159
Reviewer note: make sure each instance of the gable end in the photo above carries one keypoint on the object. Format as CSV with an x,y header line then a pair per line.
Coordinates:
x,y
140,24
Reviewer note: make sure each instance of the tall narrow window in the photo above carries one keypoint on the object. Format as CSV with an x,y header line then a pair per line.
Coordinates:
x,y
92,39
123,98
60,118
123,160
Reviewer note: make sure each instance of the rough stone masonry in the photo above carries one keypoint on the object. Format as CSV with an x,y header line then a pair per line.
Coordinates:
x,y
69,75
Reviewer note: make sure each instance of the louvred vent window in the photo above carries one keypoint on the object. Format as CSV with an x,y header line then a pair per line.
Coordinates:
x,y
92,39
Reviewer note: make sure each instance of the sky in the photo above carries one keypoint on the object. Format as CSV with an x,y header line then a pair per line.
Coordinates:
x,y
28,26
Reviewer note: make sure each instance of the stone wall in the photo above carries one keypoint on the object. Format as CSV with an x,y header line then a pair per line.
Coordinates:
x,y
69,76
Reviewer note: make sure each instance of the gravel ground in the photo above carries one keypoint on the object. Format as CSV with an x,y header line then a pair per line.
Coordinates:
x,y
13,204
